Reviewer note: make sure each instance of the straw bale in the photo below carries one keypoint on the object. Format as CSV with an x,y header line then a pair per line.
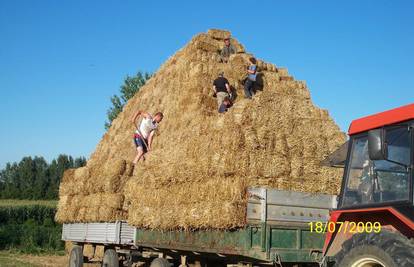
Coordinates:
x,y
80,173
201,202
68,247
283,71
239,47
261,65
219,34
68,175
62,213
93,207
201,163
270,67
209,47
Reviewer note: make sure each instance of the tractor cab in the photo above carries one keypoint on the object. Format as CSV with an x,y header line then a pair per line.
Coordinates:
x,y
378,169
377,189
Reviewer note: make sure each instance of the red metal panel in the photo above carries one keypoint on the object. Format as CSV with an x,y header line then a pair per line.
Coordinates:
x,y
401,219
381,119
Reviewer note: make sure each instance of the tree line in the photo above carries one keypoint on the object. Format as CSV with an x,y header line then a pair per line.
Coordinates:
x,y
35,178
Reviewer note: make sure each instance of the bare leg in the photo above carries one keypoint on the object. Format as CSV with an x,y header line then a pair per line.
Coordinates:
x,y
140,154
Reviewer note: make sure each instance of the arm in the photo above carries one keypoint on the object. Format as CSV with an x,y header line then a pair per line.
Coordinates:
x,y
214,89
145,115
222,52
228,88
251,71
150,138
137,114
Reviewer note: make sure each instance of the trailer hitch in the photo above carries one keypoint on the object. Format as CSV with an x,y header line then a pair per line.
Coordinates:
x,y
277,260
323,262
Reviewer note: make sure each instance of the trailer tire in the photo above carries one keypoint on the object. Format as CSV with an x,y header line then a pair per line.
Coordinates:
x,y
386,249
160,262
76,257
110,258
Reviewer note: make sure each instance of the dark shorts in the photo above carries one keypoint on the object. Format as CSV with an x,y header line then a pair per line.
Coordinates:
x,y
138,140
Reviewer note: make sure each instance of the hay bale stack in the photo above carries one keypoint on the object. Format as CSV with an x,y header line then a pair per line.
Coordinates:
x,y
202,162
87,195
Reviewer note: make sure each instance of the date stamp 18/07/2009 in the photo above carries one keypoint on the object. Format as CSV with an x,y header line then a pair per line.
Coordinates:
x,y
348,227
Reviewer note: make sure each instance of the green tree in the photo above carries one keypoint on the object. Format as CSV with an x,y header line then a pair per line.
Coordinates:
x,y
10,180
131,86
34,178
80,162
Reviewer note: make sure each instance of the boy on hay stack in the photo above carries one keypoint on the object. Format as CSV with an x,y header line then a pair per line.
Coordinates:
x,y
144,133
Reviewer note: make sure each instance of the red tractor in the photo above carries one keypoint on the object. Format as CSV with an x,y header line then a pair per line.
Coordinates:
x,y
374,222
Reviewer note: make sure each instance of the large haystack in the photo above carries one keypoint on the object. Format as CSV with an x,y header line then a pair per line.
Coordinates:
x,y
202,162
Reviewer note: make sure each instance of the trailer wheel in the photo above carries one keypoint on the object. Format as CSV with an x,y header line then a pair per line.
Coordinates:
x,y
110,258
76,257
160,262
385,249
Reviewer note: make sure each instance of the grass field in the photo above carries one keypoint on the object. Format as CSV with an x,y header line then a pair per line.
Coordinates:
x,y
28,226
18,202
28,217
13,259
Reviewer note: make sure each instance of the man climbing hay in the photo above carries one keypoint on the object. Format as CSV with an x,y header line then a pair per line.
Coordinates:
x,y
144,134
221,88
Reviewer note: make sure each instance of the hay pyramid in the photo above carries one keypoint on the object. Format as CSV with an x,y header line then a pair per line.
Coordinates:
x,y
202,162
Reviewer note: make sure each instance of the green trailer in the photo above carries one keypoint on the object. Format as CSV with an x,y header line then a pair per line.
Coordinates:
x,y
278,231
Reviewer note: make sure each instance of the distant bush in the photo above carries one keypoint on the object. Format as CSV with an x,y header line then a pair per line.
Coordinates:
x,y
30,229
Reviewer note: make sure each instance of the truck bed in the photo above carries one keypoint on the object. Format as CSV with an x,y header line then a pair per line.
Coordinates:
x,y
116,233
277,229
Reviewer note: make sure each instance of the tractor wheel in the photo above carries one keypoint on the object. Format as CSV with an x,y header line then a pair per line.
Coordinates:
x,y
385,249
110,258
160,262
76,257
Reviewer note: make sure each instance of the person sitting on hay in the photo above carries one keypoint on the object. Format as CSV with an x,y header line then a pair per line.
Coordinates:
x,y
227,50
225,105
144,133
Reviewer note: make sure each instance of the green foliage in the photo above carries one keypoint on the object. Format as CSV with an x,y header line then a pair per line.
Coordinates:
x,y
34,178
20,214
113,111
30,229
130,87
28,225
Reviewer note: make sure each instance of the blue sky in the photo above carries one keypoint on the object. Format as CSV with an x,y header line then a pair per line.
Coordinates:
x,y
60,61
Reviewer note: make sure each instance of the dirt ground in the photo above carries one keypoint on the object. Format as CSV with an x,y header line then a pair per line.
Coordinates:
x,y
22,260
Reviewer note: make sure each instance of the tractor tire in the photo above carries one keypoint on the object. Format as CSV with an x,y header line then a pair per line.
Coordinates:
x,y
385,249
110,258
76,257
160,262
